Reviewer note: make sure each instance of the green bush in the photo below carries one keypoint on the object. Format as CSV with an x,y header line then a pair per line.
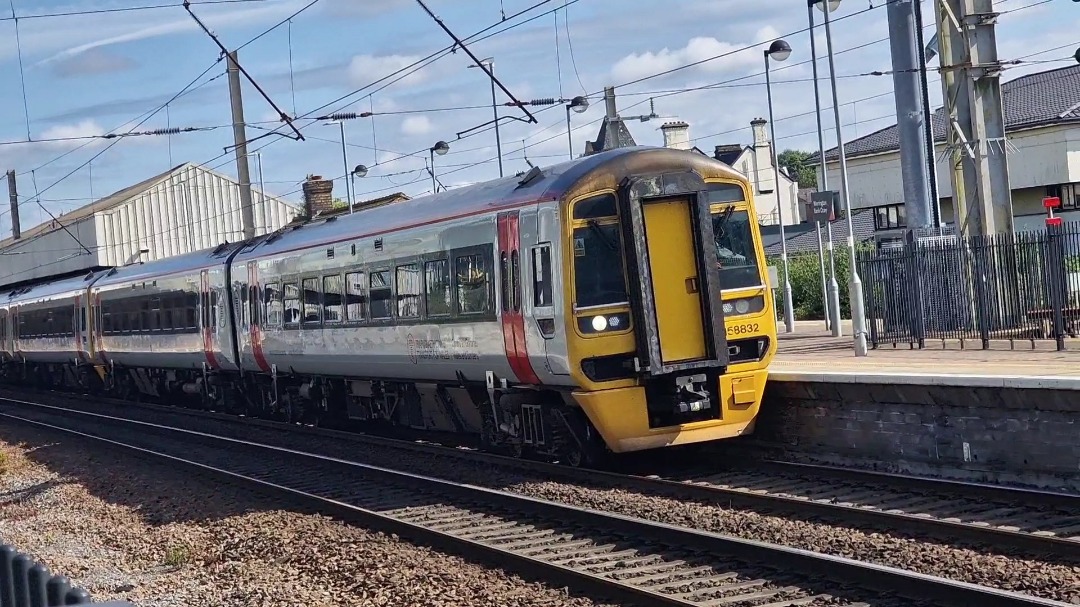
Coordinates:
x,y
806,283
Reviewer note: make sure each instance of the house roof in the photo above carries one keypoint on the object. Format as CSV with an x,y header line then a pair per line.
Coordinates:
x,y
728,153
1043,98
802,238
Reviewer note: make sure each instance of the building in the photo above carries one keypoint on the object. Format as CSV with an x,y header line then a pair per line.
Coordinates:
x,y
1042,121
184,209
755,163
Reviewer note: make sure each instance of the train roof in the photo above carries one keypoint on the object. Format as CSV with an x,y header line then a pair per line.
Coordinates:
x,y
40,290
188,263
536,185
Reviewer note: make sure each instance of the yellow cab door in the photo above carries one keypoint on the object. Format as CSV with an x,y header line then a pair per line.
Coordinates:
x,y
675,282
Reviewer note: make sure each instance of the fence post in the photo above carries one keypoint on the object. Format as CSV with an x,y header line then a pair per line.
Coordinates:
x,y
1056,262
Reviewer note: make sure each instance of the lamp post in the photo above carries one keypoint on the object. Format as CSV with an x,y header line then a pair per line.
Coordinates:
x,y
345,161
779,50
832,291
579,104
359,171
494,109
440,148
855,292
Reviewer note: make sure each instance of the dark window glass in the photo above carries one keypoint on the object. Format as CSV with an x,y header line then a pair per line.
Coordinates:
x,y
437,287
473,284
292,303
541,268
595,207
354,296
735,253
725,192
312,308
408,291
381,304
598,267
332,298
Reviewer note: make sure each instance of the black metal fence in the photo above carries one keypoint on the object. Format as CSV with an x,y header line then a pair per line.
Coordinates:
x,y
25,583
1023,286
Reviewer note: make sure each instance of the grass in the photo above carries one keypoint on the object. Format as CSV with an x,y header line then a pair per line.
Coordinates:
x,y
176,556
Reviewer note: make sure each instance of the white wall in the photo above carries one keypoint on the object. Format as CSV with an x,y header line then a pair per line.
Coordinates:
x,y
757,166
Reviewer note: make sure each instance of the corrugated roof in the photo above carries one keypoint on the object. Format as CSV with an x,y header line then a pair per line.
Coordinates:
x,y
1043,98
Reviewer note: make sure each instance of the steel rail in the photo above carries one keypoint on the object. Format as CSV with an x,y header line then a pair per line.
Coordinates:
x,y
604,531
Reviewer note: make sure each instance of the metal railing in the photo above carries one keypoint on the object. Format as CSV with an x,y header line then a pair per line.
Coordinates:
x,y
25,583
1022,286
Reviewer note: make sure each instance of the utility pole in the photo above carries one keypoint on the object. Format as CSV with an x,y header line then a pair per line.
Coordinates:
x,y
971,81
247,211
13,195
914,166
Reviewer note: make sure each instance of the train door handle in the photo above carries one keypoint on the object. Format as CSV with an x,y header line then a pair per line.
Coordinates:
x,y
692,285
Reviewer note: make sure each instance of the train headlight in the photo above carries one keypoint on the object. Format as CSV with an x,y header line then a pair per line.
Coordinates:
x,y
604,323
742,306
599,323
728,307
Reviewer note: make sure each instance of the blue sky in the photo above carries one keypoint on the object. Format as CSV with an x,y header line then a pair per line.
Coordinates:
x,y
98,73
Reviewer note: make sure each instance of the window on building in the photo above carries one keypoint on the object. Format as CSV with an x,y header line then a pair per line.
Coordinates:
x,y
890,217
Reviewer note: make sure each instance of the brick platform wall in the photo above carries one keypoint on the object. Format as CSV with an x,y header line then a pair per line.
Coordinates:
x,y
992,434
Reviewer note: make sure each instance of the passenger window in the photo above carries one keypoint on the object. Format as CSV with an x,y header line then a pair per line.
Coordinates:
x,y
312,308
292,303
272,299
473,284
354,296
381,306
437,287
408,291
541,268
595,207
332,299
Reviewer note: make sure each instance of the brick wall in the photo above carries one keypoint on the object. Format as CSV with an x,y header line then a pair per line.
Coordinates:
x,y
993,434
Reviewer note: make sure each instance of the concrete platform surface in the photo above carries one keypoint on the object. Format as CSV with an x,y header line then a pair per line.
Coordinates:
x,y
810,353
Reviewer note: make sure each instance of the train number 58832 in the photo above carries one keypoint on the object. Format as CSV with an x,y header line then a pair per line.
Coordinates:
x,y
743,329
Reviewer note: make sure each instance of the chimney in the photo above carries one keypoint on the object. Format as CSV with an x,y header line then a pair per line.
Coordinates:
x,y
761,134
318,197
676,135
609,101
13,195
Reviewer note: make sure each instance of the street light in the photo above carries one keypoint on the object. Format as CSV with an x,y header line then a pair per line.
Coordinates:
x,y
359,171
579,104
345,161
779,50
490,62
440,148
855,293
832,303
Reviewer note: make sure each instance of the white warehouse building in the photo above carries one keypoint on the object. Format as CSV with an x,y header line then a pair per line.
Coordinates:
x,y
184,209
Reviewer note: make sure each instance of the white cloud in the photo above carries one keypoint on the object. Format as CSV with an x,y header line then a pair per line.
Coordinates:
x,y
416,125
365,69
702,48
83,128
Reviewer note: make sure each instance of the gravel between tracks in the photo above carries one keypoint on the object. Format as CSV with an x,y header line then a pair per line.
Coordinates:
x,y
125,528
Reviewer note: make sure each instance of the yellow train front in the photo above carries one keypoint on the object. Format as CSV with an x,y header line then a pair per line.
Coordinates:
x,y
670,319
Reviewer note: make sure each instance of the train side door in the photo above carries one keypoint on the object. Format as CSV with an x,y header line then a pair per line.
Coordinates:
x,y
677,294
511,267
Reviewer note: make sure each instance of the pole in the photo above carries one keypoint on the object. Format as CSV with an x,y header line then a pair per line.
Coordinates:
x,y
345,160
495,111
833,290
569,134
858,324
928,119
824,278
13,196
789,309
908,100
247,213
434,189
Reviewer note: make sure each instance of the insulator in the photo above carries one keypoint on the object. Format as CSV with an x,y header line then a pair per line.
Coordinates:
x,y
343,116
544,101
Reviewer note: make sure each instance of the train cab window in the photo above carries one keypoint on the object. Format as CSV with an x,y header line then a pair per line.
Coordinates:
x,y
381,304
312,306
473,277
736,254
354,296
332,298
541,269
599,277
292,303
408,290
437,287
272,299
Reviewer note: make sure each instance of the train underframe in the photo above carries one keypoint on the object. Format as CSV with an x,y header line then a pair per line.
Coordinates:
x,y
497,416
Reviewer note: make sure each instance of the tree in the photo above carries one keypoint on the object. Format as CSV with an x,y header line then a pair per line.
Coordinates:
x,y
797,164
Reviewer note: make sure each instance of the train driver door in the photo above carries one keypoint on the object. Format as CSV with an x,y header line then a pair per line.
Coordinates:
x,y
677,294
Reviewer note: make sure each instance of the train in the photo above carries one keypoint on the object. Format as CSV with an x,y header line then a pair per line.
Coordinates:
x,y
618,302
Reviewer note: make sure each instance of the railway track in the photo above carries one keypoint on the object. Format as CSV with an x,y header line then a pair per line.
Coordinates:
x,y
1039,523
634,560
